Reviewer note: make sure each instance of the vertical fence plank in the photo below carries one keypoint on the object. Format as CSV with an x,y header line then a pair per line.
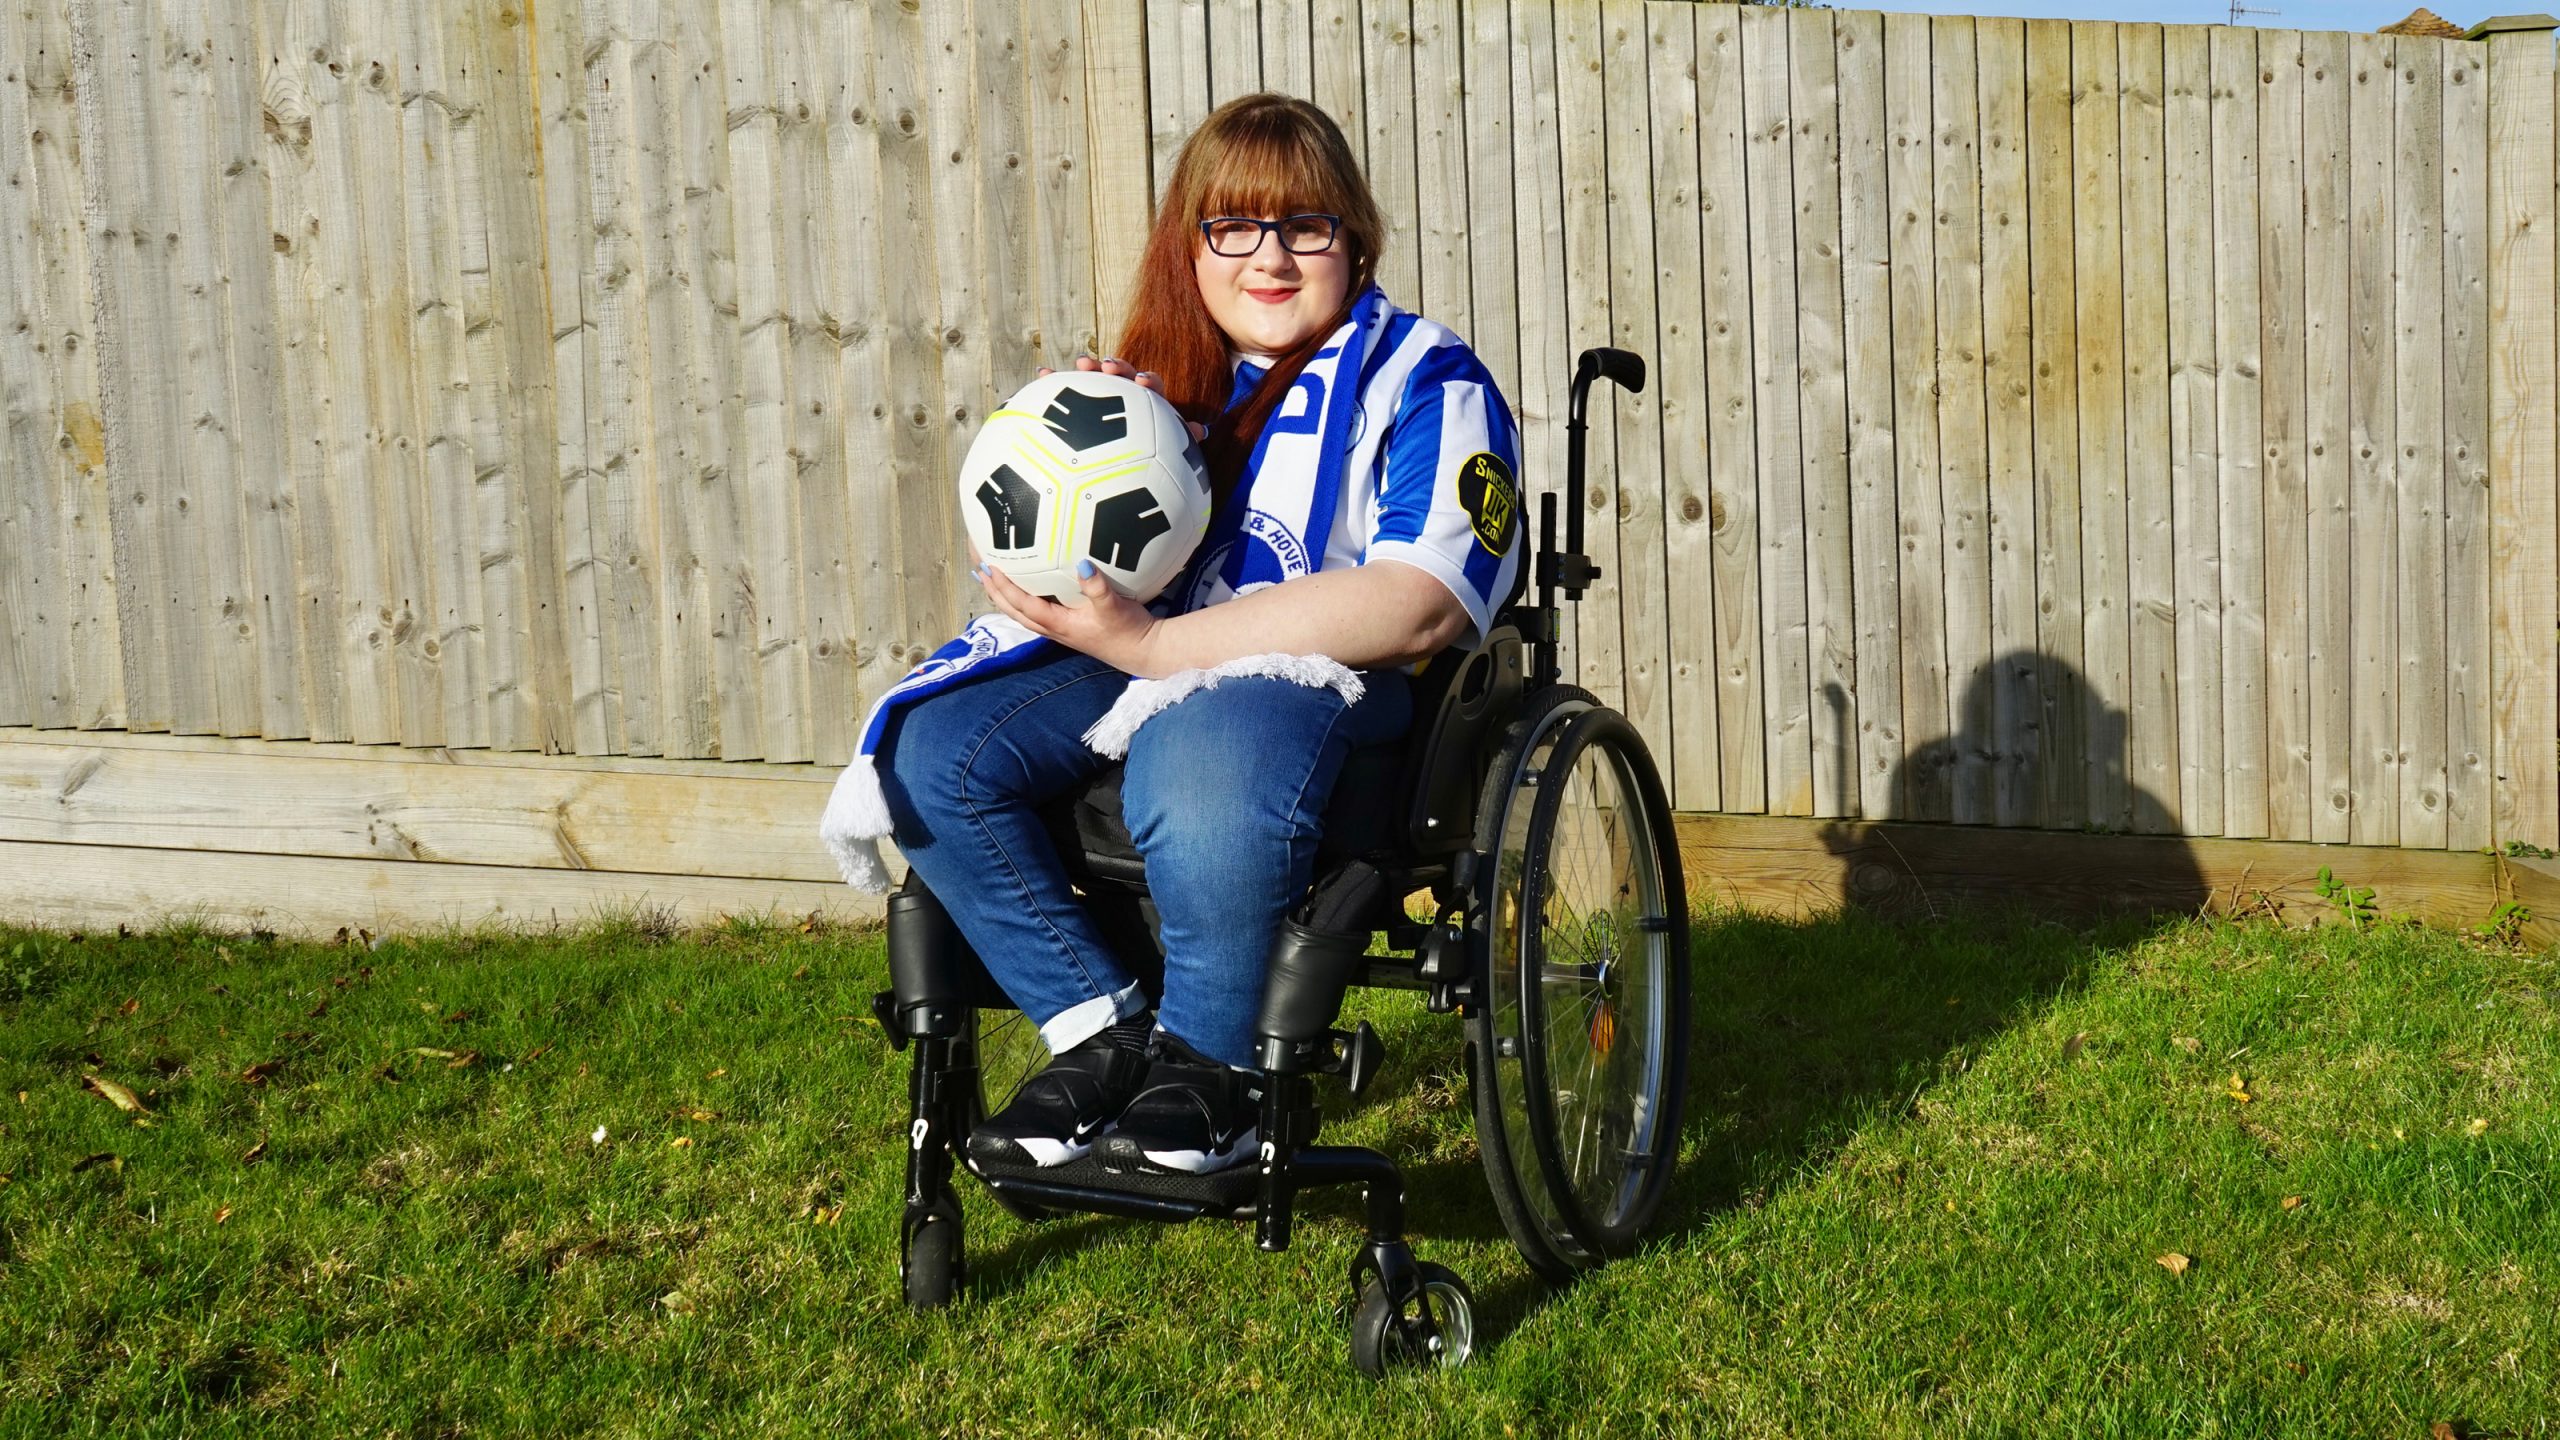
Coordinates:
x,y
1867,295
2466,445
1288,57
492,534
2194,449
2008,364
2417,213
2236,336
1334,82
2372,415
2328,351
769,615
1493,263
1546,341
1831,629
2097,262
615,294
1964,480
2521,405
1175,41
1061,162
200,331
1769,163
393,445
38,452
65,261
1440,156
866,154
823,548
1635,482
522,520
126,277
573,487
1911,211
1582,116
1386,64
913,132
431,186
2151,542
1116,109
1680,388
2281,403
1235,49
235,57
1733,510
2063,764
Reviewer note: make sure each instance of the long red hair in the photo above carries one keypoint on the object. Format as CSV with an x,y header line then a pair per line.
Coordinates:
x,y
1261,154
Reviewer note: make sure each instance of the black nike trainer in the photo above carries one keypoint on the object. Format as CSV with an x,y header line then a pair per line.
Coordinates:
x,y
1194,1117
1057,1113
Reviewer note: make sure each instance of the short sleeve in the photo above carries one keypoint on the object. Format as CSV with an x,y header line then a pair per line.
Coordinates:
x,y
1449,500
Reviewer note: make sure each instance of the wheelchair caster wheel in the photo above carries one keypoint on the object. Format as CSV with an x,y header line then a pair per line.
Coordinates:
x,y
1382,1340
931,1266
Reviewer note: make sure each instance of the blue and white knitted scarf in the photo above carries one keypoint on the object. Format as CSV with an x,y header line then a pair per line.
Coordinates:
x,y
1292,488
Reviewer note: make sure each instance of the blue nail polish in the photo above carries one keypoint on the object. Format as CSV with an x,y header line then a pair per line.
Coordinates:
x,y
1084,569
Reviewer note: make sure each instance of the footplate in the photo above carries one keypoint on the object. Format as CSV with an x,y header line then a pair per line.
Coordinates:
x,y
1084,1185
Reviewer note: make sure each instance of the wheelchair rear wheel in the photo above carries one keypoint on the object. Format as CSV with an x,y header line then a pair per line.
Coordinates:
x,y
1580,1033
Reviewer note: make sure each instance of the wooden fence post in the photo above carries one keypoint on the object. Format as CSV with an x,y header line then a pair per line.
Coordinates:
x,y
2525,722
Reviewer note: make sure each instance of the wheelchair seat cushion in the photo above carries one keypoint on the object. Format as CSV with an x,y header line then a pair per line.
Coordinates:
x,y
1092,832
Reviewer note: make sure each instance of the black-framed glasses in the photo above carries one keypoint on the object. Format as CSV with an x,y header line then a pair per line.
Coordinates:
x,y
1236,236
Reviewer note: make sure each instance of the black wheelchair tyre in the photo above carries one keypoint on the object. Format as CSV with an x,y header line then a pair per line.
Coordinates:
x,y
1503,811
1579,1133
1378,1342
930,1268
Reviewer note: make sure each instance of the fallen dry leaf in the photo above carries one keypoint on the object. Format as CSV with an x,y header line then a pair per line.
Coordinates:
x,y
222,1214
124,1099
457,1017
716,1074
680,1142
2173,1262
129,1006
251,1158
257,1074
800,974
2188,1043
431,1052
2293,1202
2443,1430
527,1057
2239,1089
2476,1126
107,1158
463,1061
316,1011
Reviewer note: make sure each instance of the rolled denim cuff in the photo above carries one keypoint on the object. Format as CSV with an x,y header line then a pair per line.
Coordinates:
x,y
1080,1022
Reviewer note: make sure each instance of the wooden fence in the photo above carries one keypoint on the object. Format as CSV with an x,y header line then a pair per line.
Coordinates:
x,y
2054,424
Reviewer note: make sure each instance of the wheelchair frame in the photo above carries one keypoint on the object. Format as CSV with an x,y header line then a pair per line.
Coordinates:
x,y
1408,1311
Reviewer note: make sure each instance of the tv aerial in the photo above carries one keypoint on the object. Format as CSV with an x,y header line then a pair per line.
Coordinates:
x,y
2238,10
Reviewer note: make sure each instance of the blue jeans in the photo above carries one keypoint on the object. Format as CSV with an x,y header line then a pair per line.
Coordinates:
x,y
1224,796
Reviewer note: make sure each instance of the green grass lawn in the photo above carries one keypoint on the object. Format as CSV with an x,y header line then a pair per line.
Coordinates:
x,y
1930,1173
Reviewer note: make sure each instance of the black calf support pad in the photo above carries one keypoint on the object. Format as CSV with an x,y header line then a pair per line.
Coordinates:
x,y
936,977
1314,954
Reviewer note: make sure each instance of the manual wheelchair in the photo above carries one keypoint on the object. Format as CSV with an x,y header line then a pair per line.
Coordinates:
x,y
1534,818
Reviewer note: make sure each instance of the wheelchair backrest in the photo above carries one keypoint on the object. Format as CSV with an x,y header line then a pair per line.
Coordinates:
x,y
1461,699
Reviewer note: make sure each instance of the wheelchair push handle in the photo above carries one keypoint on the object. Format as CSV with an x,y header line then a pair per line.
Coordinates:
x,y
1568,569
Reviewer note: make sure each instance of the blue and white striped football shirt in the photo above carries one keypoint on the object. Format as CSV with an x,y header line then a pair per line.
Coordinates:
x,y
1436,486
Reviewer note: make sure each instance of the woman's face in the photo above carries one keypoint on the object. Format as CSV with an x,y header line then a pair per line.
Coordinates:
x,y
1270,300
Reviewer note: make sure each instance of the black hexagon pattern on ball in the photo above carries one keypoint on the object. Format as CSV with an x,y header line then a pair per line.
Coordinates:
x,y
1013,509
1084,421
1123,526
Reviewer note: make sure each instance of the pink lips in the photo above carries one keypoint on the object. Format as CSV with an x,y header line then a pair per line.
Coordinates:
x,y
1271,297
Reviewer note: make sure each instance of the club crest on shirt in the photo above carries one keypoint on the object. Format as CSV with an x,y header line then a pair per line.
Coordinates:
x,y
1490,498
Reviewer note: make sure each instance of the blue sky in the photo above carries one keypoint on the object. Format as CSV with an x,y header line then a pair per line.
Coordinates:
x,y
2291,14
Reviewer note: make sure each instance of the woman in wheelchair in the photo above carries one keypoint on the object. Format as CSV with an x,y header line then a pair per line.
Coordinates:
x,y
1366,518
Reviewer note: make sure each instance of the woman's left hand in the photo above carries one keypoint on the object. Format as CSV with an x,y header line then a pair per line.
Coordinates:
x,y
1109,626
